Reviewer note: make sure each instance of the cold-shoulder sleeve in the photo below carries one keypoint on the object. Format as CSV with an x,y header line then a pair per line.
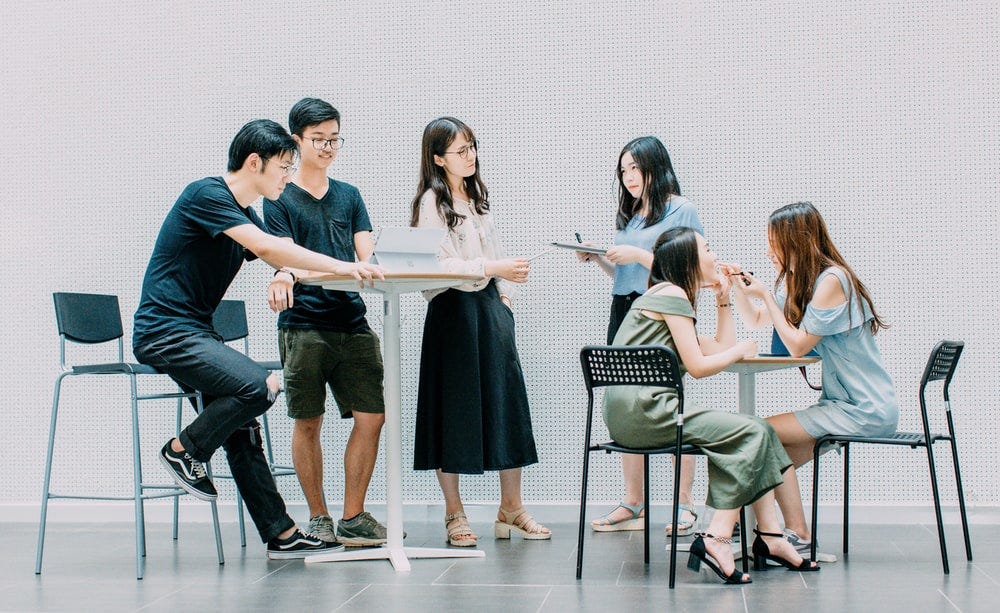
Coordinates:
x,y
841,318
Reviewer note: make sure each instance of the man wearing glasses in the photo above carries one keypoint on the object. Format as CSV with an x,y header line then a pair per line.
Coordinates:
x,y
207,235
323,336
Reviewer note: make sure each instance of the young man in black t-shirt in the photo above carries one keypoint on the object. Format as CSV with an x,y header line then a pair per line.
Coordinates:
x,y
323,336
207,235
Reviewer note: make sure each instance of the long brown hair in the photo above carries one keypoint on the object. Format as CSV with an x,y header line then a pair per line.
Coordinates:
x,y
438,136
803,248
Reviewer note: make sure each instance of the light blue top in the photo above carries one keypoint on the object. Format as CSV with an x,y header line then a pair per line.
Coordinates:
x,y
858,395
635,277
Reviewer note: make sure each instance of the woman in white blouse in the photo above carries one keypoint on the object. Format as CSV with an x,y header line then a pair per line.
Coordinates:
x,y
472,406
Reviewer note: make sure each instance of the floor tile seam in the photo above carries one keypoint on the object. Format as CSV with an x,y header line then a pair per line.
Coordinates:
x,y
356,594
943,595
544,600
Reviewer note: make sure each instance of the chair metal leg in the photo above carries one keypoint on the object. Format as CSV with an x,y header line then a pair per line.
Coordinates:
x,y
140,531
674,515
48,474
815,502
240,518
743,539
961,495
937,506
177,432
583,509
645,499
847,487
215,520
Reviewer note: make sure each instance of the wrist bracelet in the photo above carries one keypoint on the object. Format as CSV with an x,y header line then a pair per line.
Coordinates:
x,y
285,270
722,306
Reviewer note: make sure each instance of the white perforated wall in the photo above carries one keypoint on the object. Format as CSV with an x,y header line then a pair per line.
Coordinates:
x,y
883,114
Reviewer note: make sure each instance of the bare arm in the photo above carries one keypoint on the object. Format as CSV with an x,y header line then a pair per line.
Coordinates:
x,y
799,342
279,252
697,361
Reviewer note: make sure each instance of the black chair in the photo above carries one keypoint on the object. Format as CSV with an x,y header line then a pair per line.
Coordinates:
x,y
650,365
230,321
940,367
94,319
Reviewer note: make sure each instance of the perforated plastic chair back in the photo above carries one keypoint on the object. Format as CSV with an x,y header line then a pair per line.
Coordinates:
x,y
230,320
654,365
88,318
941,364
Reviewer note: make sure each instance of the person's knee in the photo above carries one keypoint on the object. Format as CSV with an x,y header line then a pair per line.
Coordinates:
x,y
256,394
369,423
308,427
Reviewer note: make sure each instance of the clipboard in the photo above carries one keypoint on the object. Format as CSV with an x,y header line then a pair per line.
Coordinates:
x,y
579,247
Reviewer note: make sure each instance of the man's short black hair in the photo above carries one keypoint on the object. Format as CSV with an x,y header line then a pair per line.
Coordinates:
x,y
264,137
310,112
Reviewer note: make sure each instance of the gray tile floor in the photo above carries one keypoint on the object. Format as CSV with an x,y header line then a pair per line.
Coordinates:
x,y
91,568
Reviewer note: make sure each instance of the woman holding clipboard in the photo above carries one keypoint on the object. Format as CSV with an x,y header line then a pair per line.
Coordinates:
x,y
649,203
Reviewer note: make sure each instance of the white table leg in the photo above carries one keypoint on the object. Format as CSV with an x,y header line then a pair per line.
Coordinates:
x,y
394,550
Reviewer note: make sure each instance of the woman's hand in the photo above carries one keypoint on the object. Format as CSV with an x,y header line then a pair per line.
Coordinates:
x,y
512,269
584,256
723,281
748,347
626,254
748,285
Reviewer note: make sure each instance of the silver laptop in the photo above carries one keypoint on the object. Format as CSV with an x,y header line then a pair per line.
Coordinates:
x,y
410,249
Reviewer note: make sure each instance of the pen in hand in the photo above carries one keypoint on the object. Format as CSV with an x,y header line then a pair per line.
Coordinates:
x,y
743,275
579,238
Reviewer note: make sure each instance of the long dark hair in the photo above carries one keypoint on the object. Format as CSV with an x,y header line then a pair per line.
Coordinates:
x,y
675,260
803,248
659,181
438,136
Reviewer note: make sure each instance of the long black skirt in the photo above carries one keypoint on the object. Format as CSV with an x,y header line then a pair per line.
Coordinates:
x,y
472,405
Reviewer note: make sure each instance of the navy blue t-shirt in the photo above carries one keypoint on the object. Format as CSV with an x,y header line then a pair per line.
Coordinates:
x,y
193,262
326,225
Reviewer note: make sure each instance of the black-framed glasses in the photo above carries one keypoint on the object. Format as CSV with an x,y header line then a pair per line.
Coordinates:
x,y
320,144
465,152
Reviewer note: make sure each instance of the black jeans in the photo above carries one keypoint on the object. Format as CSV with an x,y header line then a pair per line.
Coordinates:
x,y
234,392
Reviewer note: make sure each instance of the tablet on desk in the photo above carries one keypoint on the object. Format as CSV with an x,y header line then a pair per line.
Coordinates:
x,y
409,249
580,247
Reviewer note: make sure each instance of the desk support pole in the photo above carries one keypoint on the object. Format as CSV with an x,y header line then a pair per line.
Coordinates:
x,y
747,386
393,434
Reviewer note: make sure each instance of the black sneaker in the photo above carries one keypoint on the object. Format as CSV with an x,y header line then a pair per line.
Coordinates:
x,y
299,545
189,473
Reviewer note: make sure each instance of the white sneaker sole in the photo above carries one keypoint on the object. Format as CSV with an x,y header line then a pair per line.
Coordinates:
x,y
184,485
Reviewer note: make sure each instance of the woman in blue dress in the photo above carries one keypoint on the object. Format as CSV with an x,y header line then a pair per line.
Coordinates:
x,y
819,303
649,203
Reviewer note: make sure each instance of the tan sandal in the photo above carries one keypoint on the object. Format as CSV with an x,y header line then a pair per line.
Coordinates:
x,y
527,528
460,529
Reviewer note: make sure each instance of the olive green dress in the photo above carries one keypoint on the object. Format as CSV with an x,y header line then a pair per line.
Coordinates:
x,y
745,456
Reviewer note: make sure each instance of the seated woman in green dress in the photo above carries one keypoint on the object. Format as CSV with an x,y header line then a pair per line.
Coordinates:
x,y
745,457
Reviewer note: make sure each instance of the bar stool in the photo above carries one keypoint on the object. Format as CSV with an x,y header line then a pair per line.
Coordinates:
x,y
93,319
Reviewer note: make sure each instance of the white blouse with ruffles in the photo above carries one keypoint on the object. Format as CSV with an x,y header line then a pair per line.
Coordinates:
x,y
467,247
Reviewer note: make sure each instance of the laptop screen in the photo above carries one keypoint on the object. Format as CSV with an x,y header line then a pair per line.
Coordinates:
x,y
409,249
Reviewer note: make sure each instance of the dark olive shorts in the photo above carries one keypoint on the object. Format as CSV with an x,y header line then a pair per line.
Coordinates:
x,y
350,363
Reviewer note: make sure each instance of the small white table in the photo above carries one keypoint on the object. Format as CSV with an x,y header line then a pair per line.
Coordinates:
x,y
747,370
391,288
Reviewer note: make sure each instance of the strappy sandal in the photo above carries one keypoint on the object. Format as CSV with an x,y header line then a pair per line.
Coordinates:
x,y
684,527
635,522
527,528
459,529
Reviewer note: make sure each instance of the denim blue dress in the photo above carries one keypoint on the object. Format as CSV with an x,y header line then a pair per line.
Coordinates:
x,y
858,395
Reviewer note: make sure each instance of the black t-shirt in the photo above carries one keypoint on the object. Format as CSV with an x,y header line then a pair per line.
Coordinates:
x,y
193,262
327,226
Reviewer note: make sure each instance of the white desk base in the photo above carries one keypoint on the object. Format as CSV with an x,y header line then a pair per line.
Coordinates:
x,y
391,288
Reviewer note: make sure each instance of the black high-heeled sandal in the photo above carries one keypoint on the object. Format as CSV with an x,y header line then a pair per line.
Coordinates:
x,y
762,553
699,554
